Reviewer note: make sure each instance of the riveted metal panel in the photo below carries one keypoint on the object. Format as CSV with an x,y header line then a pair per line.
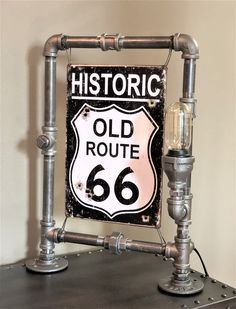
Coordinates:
x,y
125,281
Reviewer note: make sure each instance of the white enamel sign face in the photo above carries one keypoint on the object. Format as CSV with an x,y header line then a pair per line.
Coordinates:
x,y
114,143
112,170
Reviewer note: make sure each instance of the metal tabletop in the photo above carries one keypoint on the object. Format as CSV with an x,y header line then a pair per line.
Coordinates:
x,y
99,279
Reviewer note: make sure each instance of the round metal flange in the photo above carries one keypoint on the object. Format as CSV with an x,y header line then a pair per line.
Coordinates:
x,y
55,265
192,286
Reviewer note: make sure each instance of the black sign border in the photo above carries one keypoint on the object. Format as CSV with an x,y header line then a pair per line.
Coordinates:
x,y
151,215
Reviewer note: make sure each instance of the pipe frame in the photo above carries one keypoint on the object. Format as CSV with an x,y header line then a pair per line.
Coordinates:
x,y
47,142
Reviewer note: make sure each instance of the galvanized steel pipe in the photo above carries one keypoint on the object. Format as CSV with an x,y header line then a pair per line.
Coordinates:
x,y
178,42
79,238
116,242
47,142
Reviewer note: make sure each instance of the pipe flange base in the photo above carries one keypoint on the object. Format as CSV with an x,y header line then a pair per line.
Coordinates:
x,y
192,286
52,266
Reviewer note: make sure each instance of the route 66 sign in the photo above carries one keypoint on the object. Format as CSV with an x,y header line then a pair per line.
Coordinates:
x,y
114,143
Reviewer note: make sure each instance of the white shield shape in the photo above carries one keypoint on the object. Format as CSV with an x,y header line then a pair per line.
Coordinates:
x,y
112,169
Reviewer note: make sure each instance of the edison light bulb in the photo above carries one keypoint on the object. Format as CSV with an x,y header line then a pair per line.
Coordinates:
x,y
178,128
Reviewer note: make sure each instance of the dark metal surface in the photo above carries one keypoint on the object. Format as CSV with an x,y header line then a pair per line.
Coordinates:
x,y
102,280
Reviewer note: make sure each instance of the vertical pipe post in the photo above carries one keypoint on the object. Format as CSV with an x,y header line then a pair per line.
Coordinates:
x,y
183,241
178,170
189,78
49,130
47,262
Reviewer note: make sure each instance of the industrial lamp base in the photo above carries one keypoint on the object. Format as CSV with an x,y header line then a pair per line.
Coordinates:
x,y
52,266
192,286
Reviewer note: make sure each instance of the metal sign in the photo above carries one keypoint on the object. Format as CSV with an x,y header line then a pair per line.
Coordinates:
x,y
114,143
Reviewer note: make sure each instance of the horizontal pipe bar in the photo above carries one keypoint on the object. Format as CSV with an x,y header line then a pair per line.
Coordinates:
x,y
80,42
177,42
117,42
83,239
159,42
116,242
143,246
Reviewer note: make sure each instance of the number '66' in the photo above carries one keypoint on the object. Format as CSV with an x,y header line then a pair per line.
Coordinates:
x,y
118,187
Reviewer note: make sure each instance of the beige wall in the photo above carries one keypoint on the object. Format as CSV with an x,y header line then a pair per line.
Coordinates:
x,y
25,25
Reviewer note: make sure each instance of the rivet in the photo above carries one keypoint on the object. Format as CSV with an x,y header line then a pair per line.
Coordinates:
x,y
223,295
228,307
203,276
197,302
183,306
224,286
164,258
211,298
90,252
65,257
213,281
192,271
78,254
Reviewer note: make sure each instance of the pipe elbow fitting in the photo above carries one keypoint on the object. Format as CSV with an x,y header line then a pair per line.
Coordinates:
x,y
53,44
186,44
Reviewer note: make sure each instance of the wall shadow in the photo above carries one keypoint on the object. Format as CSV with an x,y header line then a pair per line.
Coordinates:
x,y
28,146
